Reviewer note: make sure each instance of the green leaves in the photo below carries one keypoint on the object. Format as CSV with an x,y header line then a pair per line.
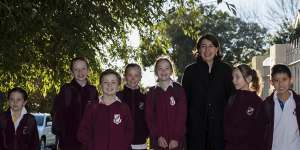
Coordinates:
x,y
180,29
39,38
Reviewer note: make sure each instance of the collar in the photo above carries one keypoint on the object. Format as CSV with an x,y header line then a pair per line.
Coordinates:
x,y
130,89
23,112
102,102
170,84
76,84
275,97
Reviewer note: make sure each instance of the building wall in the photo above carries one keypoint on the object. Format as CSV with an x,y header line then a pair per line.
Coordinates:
x,y
293,61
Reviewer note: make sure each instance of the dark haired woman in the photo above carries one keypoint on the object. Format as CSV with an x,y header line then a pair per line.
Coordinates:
x,y
208,85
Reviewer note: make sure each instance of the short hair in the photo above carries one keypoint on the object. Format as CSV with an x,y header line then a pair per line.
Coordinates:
x,y
132,65
280,68
108,72
76,59
20,90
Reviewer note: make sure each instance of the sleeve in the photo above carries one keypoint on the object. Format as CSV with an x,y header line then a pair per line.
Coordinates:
x,y
57,112
129,127
150,118
84,134
229,87
95,94
35,142
182,115
260,127
2,132
186,84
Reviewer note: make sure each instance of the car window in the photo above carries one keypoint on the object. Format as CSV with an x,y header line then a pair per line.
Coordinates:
x,y
39,119
48,119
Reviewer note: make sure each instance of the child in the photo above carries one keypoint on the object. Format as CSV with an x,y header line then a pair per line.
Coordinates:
x,y
240,119
135,99
107,124
69,104
166,109
280,113
17,127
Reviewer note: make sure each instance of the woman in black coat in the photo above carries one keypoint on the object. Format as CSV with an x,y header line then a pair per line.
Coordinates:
x,y
208,85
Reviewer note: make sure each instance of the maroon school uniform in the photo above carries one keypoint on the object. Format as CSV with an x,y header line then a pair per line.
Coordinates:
x,y
136,102
68,110
106,127
24,138
166,114
240,121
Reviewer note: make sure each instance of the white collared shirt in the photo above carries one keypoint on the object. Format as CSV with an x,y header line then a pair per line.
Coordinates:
x,y
101,101
23,112
286,131
170,84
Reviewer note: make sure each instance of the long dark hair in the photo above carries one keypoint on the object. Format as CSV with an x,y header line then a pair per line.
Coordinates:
x,y
214,40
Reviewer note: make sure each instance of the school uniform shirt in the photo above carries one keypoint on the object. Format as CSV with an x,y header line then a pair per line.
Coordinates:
x,y
135,99
207,95
240,121
106,127
166,113
19,135
286,130
280,124
68,109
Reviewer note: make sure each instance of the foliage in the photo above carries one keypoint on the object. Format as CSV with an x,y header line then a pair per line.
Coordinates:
x,y
177,33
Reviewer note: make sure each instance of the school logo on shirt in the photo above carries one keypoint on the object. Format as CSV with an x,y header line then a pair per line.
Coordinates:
x,y
25,130
250,111
172,101
117,119
141,106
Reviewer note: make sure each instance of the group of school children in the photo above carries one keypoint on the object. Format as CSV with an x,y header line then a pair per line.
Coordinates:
x,y
124,120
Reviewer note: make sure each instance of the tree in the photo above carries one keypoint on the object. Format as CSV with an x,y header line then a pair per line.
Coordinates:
x,y
178,32
39,38
281,15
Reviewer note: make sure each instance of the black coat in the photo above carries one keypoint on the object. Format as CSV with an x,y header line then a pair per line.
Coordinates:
x,y
207,94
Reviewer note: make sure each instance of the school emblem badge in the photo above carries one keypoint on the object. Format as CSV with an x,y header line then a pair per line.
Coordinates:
x,y
172,101
250,111
141,106
25,130
117,119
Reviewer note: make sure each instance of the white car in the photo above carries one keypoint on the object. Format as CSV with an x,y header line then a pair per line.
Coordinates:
x,y
44,123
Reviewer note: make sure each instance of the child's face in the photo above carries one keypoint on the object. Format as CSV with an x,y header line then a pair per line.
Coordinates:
x,y
238,80
16,101
281,82
164,70
133,77
207,50
110,84
80,70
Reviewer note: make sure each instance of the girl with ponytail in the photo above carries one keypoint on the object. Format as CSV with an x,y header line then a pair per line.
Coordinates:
x,y
240,121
